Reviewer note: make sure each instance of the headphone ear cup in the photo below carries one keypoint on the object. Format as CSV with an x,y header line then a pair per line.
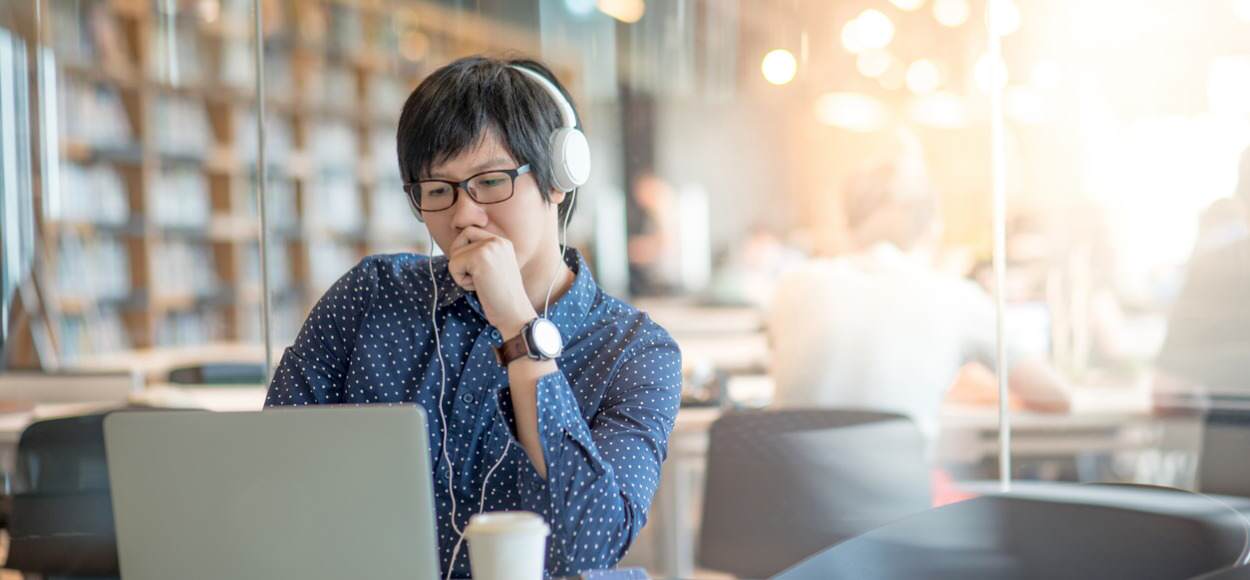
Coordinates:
x,y
570,158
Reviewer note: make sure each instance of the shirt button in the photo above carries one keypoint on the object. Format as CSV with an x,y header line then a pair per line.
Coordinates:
x,y
467,398
495,333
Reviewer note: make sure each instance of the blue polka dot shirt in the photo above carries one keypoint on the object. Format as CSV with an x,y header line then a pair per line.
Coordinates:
x,y
603,419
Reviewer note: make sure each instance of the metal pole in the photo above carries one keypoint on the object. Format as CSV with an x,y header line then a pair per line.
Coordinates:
x,y
998,171
261,182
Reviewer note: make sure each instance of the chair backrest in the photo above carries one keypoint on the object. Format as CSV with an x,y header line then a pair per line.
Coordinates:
x,y
1223,468
1110,532
62,516
782,485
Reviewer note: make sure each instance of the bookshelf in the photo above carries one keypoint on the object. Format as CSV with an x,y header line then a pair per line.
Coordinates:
x,y
151,237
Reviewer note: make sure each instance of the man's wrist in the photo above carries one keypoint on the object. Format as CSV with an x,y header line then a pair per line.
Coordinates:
x,y
513,327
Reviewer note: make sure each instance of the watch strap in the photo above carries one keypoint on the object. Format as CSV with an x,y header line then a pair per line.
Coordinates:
x,y
512,349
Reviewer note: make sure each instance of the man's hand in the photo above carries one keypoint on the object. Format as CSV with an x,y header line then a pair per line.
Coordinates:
x,y
485,263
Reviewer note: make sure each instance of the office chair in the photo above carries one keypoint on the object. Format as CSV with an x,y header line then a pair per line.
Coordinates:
x,y
1073,532
61,519
783,485
1223,468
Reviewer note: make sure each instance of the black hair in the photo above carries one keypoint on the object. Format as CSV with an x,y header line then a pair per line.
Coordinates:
x,y
455,107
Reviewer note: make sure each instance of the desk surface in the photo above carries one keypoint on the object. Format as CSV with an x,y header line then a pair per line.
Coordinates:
x,y
681,317
12,424
211,398
155,363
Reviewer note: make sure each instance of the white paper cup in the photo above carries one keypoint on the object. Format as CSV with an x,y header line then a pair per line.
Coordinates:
x,y
507,545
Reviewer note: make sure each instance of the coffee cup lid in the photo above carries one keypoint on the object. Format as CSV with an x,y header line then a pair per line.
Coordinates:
x,y
506,523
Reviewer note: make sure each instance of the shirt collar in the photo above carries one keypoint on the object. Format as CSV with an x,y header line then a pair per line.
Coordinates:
x,y
567,312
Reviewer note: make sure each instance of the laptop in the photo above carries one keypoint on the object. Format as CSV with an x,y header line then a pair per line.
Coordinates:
x,y
309,493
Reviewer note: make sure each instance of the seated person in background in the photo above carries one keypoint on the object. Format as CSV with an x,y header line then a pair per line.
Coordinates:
x,y
543,393
881,328
1208,339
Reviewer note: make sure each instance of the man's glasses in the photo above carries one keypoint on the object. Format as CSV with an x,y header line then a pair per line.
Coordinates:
x,y
485,188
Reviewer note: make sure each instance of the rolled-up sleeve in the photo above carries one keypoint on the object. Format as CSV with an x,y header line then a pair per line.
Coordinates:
x,y
602,475
314,369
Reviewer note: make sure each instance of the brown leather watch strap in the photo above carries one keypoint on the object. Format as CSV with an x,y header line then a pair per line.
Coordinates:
x,y
511,350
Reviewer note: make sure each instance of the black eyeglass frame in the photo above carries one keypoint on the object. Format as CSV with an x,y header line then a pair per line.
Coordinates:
x,y
457,186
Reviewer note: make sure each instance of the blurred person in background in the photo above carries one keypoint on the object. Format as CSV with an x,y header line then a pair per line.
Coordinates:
x,y
748,272
1208,337
654,255
881,328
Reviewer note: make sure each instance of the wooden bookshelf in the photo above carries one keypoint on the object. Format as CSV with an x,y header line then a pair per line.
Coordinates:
x,y
334,96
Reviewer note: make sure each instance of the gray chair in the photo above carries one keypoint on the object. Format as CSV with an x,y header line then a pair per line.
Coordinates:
x,y
61,523
1069,531
783,485
1223,468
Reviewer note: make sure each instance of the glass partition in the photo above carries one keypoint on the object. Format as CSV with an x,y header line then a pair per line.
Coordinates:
x,y
1126,230
859,220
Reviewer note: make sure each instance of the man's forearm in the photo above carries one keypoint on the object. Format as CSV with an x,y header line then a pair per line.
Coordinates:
x,y
1040,387
523,375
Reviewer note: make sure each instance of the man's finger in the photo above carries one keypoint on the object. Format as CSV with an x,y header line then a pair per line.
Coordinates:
x,y
462,251
475,233
460,275
469,235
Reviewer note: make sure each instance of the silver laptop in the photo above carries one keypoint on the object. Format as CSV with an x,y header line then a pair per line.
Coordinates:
x,y
309,493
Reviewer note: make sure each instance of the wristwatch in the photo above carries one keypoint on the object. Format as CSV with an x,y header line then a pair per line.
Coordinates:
x,y
539,340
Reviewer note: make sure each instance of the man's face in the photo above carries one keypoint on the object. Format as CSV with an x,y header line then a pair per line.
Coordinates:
x,y
525,219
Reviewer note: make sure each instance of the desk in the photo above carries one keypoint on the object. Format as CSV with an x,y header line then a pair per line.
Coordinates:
x,y
12,425
724,338
682,317
731,353
225,398
1100,416
159,395
154,364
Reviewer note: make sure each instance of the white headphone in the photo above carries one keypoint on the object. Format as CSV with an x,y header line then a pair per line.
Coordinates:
x,y
570,152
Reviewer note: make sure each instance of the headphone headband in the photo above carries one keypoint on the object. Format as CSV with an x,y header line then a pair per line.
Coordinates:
x,y
570,152
566,108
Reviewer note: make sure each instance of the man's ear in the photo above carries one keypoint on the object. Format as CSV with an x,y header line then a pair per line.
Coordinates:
x,y
557,196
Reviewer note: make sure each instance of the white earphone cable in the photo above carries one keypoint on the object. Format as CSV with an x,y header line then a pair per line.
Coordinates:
x,y
442,368
564,247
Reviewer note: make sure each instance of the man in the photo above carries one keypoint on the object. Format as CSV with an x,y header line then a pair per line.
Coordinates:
x,y
881,328
1208,340
576,430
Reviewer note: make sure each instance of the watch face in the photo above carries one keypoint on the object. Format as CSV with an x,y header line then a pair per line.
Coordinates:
x,y
546,338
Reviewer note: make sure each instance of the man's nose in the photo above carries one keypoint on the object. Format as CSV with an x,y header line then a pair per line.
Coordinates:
x,y
466,212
